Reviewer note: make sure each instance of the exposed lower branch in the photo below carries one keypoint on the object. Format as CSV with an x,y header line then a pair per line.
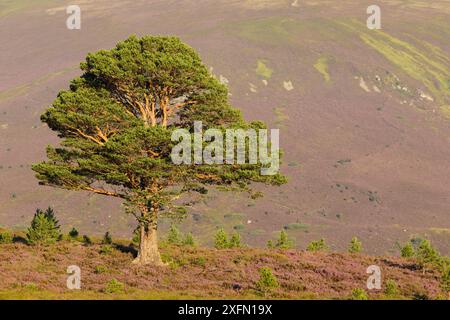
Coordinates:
x,y
103,192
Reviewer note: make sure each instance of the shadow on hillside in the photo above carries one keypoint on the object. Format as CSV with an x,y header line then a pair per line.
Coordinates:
x,y
410,266
127,249
19,239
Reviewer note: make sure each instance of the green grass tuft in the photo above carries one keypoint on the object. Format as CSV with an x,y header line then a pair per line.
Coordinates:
x,y
263,70
321,66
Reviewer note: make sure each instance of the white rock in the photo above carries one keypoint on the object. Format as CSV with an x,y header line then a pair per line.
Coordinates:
x,y
363,85
223,80
425,96
288,85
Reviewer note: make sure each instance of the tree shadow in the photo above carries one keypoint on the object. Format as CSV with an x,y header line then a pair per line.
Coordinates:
x,y
412,266
127,249
19,239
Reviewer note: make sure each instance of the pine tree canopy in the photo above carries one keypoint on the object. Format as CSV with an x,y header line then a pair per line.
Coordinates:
x,y
116,122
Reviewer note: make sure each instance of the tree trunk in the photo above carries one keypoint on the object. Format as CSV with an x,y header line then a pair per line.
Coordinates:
x,y
148,246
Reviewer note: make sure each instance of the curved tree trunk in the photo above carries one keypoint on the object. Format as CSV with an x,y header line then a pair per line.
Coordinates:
x,y
148,247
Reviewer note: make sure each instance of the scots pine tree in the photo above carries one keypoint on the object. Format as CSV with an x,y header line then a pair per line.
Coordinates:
x,y
107,238
319,245
73,233
174,235
284,242
189,240
408,251
221,239
235,240
44,228
116,123
355,246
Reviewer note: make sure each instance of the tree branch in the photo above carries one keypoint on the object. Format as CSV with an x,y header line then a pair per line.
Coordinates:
x,y
84,135
102,192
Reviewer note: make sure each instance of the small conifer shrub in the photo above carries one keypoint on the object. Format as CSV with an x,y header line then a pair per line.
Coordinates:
x,y
107,239
189,240
355,246
114,286
221,239
359,294
73,233
174,236
283,241
235,241
44,228
6,237
407,251
267,280
318,245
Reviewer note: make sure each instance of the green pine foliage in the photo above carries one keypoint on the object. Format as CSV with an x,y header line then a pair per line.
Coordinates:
x,y
114,286
283,241
355,246
221,239
235,241
426,254
267,280
391,288
73,233
407,251
106,249
445,279
174,236
136,237
107,238
116,122
44,228
318,245
359,294
100,269
86,240
189,240
6,237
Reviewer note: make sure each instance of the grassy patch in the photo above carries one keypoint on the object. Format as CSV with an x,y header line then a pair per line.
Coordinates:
x,y
321,66
441,231
26,294
296,226
282,31
273,30
263,70
429,64
280,115
446,110
23,89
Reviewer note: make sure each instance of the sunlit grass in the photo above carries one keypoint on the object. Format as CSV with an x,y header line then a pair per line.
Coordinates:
x,y
12,6
263,70
321,66
429,66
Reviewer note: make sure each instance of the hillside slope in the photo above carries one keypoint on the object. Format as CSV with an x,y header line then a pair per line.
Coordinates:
x,y
364,115
198,273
